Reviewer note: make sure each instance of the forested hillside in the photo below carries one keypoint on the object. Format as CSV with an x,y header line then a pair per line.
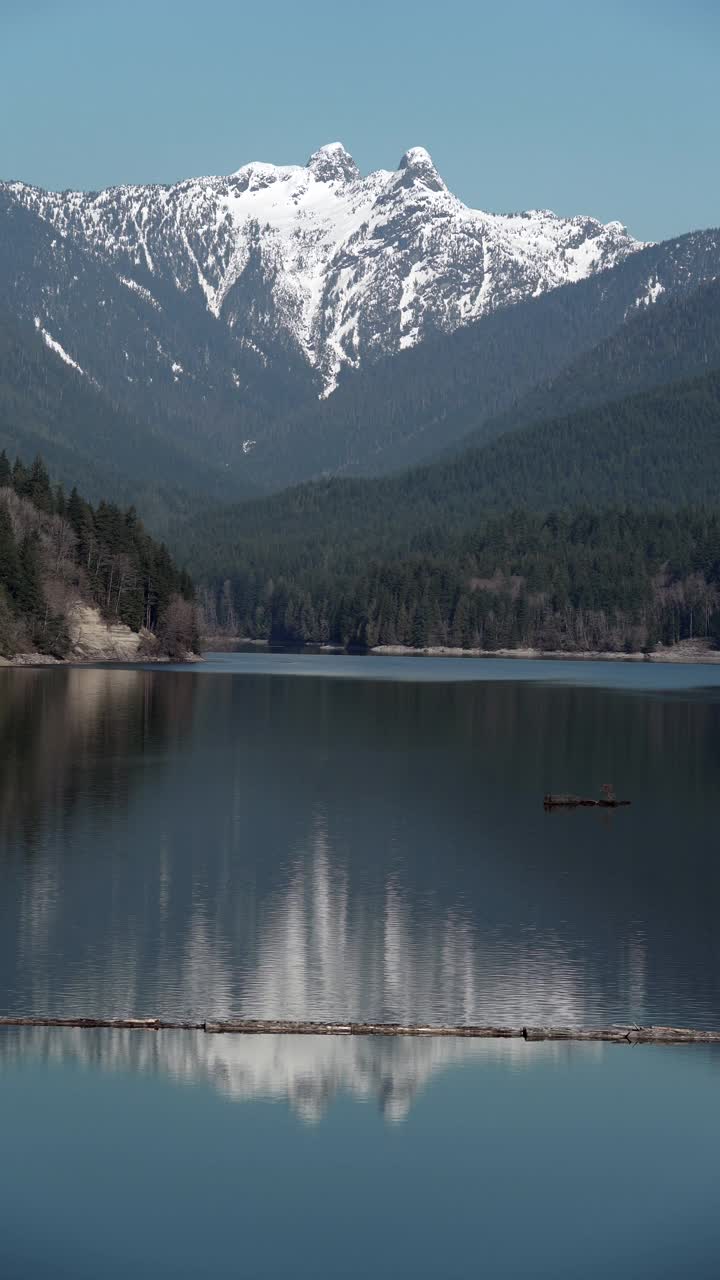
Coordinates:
x,y
675,338
58,551
585,580
662,447
48,407
464,551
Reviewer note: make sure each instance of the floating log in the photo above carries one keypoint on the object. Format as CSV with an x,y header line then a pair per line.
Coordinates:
x,y
577,802
621,1034
630,1034
608,800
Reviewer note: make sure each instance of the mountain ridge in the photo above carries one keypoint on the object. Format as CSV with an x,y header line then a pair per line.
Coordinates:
x,y
336,245
228,300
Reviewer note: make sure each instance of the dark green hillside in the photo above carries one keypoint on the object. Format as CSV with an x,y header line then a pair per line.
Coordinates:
x,y
662,447
460,552
47,407
673,339
56,551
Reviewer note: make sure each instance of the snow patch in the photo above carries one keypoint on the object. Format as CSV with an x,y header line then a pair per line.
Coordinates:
x,y
60,351
139,288
653,291
252,346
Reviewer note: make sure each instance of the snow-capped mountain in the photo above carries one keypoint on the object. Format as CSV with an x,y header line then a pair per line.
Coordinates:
x,y
289,321
331,267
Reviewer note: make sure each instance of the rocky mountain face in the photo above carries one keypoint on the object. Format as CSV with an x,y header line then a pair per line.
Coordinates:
x,y
645,322
238,295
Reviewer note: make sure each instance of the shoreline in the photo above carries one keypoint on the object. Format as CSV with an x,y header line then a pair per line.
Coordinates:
x,y
92,639
686,651
30,660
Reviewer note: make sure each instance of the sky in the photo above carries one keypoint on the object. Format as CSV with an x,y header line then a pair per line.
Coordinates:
x,y
598,107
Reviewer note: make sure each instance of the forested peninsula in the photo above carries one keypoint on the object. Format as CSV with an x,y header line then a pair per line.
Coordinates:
x,y
82,581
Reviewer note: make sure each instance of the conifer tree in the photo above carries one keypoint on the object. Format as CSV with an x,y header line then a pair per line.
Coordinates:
x,y
80,515
20,478
38,486
76,510
29,596
8,626
9,559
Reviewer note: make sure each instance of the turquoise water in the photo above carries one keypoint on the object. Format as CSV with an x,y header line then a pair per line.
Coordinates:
x,y
614,674
178,1155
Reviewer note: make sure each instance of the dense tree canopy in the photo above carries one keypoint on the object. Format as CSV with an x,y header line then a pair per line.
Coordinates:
x,y
586,579
658,448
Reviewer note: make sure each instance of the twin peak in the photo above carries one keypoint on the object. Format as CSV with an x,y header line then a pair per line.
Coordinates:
x,y
332,163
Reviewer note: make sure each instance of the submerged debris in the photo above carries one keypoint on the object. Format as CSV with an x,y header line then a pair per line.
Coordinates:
x,y
608,800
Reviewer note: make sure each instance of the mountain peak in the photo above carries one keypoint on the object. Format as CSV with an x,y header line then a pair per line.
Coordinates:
x,y
333,163
416,158
417,164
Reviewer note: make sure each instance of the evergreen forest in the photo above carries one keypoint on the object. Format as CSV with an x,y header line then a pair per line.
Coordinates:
x,y
589,579
57,550
593,531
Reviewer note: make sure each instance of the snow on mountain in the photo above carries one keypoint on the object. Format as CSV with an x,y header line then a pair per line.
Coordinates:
x,y
56,347
339,267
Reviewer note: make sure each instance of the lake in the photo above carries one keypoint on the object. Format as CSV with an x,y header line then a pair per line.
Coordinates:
x,y
325,837
361,838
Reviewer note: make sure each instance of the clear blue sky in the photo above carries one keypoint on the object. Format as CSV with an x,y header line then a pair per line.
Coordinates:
x,y
594,107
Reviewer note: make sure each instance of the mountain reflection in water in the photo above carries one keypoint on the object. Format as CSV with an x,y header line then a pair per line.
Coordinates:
x,y
204,845
309,1072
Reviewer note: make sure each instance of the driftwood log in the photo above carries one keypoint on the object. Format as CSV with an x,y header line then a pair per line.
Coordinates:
x,y
575,802
629,1034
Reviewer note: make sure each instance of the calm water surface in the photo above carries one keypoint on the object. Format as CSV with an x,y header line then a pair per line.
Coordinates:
x,y
334,837
180,1155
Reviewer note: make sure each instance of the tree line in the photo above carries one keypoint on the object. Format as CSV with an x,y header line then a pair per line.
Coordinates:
x,y
609,579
